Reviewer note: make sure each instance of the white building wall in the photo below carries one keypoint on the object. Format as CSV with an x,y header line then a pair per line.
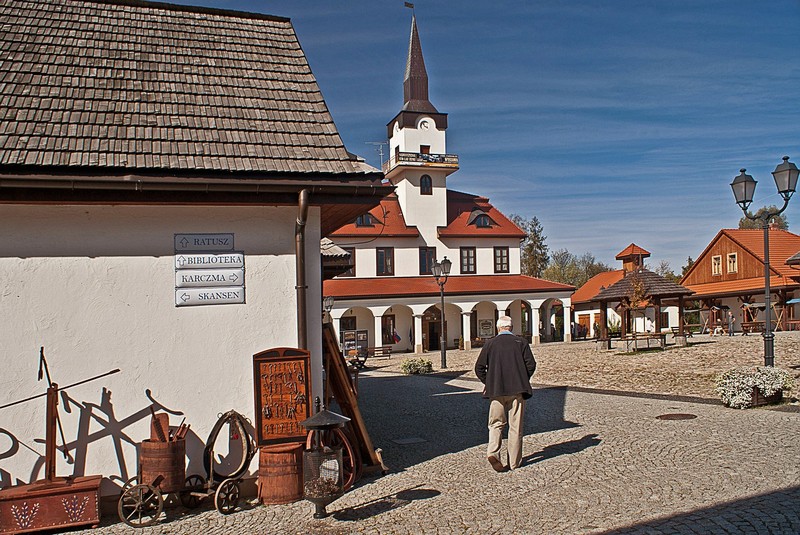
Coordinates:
x,y
96,287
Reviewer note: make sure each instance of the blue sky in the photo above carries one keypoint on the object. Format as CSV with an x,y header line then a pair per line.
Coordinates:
x,y
612,122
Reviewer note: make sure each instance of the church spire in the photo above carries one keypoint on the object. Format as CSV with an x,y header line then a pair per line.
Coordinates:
x,y
415,83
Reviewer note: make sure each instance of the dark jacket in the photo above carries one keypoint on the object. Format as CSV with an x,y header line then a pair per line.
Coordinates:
x,y
505,366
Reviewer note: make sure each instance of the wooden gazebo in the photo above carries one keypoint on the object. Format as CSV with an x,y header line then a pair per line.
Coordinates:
x,y
640,288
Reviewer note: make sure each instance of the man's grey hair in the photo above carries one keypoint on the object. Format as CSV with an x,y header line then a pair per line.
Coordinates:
x,y
504,323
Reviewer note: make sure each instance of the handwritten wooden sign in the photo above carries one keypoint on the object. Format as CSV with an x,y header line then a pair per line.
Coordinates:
x,y
281,381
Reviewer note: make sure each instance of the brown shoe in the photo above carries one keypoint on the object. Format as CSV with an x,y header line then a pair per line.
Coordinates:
x,y
497,465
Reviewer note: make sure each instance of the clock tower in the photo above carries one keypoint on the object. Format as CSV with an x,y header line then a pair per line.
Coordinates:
x,y
418,161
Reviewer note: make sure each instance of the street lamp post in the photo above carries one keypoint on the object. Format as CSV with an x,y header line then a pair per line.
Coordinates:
x,y
327,306
440,272
743,187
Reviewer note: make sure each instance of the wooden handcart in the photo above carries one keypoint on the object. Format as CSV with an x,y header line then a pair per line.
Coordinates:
x,y
161,472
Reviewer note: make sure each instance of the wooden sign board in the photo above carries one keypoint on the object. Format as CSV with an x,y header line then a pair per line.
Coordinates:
x,y
282,393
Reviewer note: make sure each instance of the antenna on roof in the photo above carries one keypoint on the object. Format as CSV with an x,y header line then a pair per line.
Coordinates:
x,y
379,146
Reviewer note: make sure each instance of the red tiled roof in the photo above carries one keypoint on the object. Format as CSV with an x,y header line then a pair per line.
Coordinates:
x,y
632,250
782,245
738,287
379,287
388,222
593,286
459,208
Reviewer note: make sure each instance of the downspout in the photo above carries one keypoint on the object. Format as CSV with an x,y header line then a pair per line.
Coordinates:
x,y
300,257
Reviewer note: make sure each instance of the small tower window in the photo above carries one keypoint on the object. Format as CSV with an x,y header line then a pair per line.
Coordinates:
x,y
424,149
425,185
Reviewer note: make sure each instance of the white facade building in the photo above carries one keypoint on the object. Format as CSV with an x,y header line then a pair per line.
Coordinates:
x,y
390,297
112,188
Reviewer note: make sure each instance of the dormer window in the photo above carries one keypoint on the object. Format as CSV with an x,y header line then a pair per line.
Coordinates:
x,y
365,220
425,185
480,219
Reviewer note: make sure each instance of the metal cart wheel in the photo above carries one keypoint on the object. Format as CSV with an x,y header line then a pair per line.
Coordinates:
x,y
227,496
140,505
194,483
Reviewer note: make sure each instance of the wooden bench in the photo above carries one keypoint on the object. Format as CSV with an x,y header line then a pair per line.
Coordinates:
x,y
358,359
687,332
380,351
632,340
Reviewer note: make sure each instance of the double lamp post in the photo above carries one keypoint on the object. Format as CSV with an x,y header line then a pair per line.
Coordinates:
x,y
440,272
744,187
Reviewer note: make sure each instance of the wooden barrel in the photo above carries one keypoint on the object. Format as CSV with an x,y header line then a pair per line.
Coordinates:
x,y
167,459
280,473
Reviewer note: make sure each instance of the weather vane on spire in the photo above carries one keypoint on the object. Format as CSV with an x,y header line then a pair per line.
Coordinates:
x,y
409,5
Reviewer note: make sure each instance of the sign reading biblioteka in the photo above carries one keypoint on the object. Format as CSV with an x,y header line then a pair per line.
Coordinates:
x,y
207,270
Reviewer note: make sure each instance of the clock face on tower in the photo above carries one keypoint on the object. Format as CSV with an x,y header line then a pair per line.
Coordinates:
x,y
425,125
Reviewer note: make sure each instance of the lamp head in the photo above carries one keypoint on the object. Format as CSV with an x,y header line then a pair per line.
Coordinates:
x,y
436,269
785,175
446,264
743,186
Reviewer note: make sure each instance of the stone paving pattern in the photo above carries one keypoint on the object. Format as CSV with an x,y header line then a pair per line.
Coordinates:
x,y
593,462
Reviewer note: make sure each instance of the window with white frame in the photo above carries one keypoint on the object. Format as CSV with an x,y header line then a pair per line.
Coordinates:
x,y
733,264
716,265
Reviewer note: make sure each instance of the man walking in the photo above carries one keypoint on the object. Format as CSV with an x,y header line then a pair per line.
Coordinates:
x,y
505,366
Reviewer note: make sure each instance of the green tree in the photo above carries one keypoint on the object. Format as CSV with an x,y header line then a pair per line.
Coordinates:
x,y
663,268
780,221
567,268
685,269
533,249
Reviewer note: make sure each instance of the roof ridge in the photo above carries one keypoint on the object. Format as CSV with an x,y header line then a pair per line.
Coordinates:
x,y
191,9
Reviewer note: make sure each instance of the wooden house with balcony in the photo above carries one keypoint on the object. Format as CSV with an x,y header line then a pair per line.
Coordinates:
x,y
729,276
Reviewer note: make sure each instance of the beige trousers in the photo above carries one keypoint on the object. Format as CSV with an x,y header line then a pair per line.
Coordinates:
x,y
514,406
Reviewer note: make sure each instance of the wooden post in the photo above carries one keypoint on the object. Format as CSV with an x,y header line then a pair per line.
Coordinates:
x,y
50,433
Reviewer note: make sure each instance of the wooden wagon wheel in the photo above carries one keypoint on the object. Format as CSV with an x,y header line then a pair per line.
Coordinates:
x,y
140,505
227,496
194,483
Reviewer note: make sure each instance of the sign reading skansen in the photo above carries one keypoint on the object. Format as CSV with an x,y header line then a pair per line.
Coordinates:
x,y
207,270
208,296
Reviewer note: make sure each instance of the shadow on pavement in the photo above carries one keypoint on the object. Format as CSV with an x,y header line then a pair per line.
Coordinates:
x,y
563,448
773,513
417,418
385,503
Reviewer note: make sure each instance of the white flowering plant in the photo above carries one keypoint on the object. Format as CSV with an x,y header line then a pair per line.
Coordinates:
x,y
416,366
735,386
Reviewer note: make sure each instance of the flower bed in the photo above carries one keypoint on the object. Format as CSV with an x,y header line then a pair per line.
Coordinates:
x,y
752,386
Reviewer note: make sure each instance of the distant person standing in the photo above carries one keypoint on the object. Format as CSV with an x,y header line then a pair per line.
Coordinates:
x,y
505,366
731,321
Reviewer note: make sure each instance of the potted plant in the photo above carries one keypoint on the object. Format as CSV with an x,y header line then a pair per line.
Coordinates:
x,y
752,386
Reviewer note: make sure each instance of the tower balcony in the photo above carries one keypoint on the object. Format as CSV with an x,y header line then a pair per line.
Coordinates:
x,y
417,159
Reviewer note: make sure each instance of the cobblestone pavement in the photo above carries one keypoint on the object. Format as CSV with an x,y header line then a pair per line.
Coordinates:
x,y
593,463
683,371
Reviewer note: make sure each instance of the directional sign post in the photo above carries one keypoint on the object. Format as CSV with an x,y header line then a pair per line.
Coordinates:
x,y
207,270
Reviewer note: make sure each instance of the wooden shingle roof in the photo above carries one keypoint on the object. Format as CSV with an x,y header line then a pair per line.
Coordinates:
x,y
145,87
654,285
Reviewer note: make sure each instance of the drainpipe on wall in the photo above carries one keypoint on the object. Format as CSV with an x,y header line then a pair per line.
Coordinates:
x,y
300,257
